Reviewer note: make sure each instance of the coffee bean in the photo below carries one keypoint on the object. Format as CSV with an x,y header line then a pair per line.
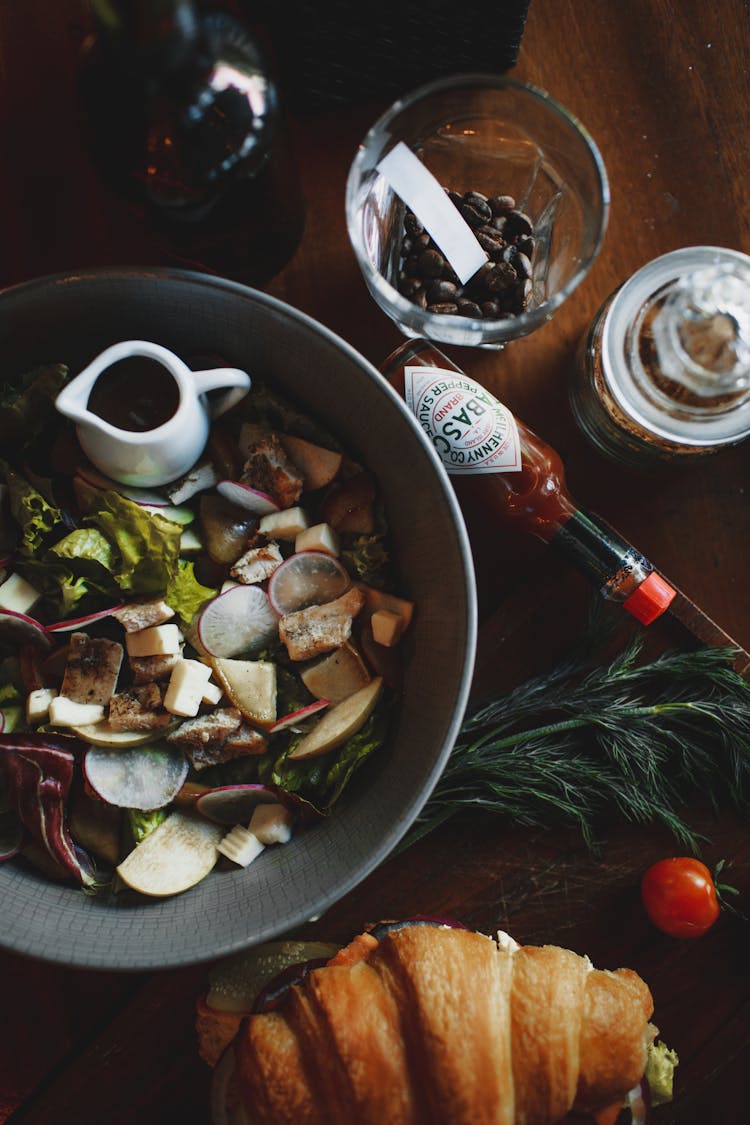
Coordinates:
x,y
516,222
468,308
445,309
409,286
494,246
479,203
412,224
473,217
430,264
500,288
502,279
502,204
440,291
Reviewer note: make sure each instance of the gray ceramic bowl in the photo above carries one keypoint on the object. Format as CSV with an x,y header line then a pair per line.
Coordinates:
x,y
70,319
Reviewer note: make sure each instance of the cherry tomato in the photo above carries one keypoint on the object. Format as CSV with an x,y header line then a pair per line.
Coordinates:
x,y
679,897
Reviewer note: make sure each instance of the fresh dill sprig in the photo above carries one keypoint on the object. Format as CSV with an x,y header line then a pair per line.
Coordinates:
x,y
580,744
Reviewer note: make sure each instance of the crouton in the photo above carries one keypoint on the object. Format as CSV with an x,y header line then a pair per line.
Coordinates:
x,y
202,739
140,709
146,669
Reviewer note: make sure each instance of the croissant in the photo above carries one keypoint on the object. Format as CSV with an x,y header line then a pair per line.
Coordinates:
x,y
440,1026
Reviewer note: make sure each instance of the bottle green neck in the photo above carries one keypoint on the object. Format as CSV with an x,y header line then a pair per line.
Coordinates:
x,y
154,35
602,555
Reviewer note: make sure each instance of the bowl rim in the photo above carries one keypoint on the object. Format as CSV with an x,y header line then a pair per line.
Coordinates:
x,y
20,943
504,329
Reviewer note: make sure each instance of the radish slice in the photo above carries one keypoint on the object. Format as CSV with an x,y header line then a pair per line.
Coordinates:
x,y
20,629
139,778
308,578
75,623
251,499
234,804
299,716
144,496
240,620
11,835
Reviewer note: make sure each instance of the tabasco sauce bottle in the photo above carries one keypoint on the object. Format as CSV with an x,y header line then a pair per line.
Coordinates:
x,y
502,472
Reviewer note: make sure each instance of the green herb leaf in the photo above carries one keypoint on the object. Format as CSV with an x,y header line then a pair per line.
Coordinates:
x,y
582,743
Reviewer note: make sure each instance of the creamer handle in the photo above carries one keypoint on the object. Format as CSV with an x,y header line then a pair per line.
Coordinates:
x,y
236,383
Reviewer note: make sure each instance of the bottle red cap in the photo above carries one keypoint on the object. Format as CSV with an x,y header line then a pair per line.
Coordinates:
x,y
651,598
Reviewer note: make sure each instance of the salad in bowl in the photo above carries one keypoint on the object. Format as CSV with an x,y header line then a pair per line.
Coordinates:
x,y
192,673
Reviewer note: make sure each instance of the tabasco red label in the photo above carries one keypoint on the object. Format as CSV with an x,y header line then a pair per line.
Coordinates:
x,y
471,431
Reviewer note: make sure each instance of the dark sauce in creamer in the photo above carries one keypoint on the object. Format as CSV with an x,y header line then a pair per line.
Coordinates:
x,y
135,394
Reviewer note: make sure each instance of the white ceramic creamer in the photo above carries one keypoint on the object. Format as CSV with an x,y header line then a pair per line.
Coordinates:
x,y
113,415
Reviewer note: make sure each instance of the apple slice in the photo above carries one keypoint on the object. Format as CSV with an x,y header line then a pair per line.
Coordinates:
x,y
318,465
251,686
135,778
251,499
305,579
339,724
172,858
101,734
240,620
294,718
336,676
74,624
233,804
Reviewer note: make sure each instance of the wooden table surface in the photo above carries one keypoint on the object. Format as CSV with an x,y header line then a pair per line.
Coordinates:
x,y
664,88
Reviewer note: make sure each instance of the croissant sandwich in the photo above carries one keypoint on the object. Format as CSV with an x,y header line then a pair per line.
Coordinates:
x,y
432,1025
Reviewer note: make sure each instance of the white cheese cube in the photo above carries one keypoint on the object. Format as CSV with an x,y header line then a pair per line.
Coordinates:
x,y
187,685
65,712
272,824
284,525
190,544
159,640
319,537
212,694
241,846
37,704
229,584
18,595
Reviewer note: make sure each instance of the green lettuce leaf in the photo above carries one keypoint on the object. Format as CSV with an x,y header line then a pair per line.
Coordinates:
x,y
322,780
147,545
367,559
143,822
36,519
86,544
27,405
185,594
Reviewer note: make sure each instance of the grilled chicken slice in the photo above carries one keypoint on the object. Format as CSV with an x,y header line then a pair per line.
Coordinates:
x,y
320,628
91,670
256,564
142,615
202,739
269,469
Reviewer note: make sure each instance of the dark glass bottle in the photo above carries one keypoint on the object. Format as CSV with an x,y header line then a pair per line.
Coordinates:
x,y
184,118
503,474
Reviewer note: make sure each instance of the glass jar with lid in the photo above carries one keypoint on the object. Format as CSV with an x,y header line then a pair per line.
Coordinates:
x,y
664,371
